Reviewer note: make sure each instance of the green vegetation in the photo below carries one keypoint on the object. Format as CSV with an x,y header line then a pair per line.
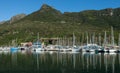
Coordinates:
x,y
50,22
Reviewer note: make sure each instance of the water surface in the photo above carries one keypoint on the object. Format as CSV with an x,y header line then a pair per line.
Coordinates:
x,y
59,62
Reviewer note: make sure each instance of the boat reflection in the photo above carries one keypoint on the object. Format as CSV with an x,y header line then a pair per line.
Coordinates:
x,y
57,62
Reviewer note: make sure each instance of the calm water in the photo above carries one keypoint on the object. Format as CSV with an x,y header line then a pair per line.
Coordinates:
x,y
53,62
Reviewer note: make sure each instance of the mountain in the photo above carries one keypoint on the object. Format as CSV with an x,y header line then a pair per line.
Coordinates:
x,y
46,13
17,17
50,22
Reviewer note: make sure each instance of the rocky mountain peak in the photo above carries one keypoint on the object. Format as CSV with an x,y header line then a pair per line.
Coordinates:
x,y
47,8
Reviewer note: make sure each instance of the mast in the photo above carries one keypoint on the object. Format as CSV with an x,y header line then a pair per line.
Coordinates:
x,y
119,41
99,39
112,35
73,40
82,40
68,42
93,38
37,39
105,42
63,41
87,37
57,41
90,39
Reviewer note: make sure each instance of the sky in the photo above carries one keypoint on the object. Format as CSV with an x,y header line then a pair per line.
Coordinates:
x,y
9,8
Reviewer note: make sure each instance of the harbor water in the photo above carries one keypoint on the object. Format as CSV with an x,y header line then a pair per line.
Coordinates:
x,y
59,62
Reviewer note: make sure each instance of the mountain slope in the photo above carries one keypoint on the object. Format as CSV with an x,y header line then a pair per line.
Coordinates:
x,y
50,22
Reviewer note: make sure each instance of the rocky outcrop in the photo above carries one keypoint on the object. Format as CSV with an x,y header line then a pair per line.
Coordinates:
x,y
17,17
2,22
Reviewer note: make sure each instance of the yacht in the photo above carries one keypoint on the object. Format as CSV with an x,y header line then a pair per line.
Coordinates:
x,y
91,48
37,46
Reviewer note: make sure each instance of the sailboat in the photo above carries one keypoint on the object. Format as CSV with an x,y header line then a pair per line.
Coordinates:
x,y
14,48
106,49
37,46
101,49
74,47
85,47
91,47
112,49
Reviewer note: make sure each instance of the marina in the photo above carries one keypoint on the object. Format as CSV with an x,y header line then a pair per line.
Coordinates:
x,y
90,44
60,36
